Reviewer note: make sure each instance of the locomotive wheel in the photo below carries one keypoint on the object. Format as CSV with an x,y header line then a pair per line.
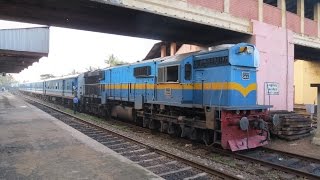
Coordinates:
x,y
174,130
164,126
194,134
152,124
145,122
207,138
139,121
170,129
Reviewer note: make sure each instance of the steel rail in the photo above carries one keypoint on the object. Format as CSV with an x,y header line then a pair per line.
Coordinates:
x,y
279,167
209,170
314,160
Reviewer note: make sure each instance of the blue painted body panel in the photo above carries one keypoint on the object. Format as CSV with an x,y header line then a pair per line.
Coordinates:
x,y
239,64
224,77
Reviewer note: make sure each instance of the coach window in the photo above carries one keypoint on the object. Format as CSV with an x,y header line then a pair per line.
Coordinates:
x,y
187,71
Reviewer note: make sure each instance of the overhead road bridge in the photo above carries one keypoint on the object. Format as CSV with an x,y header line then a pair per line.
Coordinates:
x,y
20,48
187,21
283,30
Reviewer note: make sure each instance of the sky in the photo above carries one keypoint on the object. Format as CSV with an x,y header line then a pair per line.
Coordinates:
x,y
71,49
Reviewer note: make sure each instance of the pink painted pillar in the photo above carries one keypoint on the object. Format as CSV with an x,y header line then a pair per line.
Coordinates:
x,y
276,48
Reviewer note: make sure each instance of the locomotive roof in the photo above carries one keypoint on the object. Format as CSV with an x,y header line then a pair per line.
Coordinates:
x,y
163,60
174,60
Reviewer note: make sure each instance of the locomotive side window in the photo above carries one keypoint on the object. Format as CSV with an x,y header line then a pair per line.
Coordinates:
x,y
173,74
168,74
142,71
187,71
161,74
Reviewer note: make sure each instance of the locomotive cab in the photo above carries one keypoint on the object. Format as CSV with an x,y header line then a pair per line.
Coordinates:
x,y
225,83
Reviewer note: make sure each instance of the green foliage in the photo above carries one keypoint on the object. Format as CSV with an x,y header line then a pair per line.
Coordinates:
x,y
7,81
112,60
91,68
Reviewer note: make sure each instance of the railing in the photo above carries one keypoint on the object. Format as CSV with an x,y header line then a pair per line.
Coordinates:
x,y
293,22
246,9
271,15
310,27
216,4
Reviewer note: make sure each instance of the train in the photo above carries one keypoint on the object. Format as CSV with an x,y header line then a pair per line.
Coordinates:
x,y
208,96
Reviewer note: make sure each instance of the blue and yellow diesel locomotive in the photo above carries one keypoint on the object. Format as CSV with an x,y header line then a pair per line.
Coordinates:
x,y
209,96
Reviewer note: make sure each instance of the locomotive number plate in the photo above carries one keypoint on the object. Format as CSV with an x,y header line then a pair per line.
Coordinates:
x,y
167,92
245,75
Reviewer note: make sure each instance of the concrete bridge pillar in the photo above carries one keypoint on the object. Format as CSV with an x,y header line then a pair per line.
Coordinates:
x,y
276,48
163,51
173,49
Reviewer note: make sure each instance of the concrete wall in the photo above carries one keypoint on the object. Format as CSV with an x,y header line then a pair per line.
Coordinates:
x,y
305,73
185,48
276,49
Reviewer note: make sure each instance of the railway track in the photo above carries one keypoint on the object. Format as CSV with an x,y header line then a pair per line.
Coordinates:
x,y
162,163
289,163
297,165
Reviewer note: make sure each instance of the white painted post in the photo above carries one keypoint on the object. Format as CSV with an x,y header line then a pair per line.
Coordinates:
x,y
317,16
226,6
260,10
300,10
282,5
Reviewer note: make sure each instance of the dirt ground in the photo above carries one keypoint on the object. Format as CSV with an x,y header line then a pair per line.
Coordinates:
x,y
301,147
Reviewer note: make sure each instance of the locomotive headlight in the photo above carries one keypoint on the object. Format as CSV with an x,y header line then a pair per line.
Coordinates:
x,y
245,49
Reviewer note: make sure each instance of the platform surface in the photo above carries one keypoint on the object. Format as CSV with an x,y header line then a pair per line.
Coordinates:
x,y
34,145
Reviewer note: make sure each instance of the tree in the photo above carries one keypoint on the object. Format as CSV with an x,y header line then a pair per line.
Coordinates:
x,y
91,68
112,60
73,72
7,81
46,76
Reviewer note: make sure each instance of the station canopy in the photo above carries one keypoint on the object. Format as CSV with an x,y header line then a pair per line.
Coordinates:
x,y
20,48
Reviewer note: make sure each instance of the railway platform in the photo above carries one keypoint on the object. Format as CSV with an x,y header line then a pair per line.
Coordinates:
x,y
34,145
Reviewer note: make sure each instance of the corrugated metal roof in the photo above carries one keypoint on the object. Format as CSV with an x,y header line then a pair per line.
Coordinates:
x,y
27,40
